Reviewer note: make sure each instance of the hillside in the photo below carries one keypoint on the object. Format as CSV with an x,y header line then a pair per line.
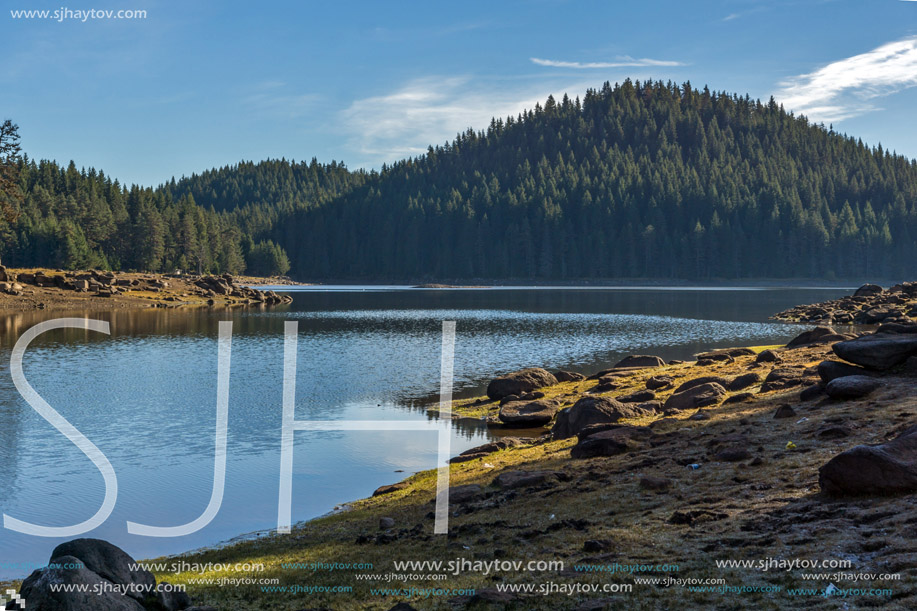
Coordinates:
x,y
640,180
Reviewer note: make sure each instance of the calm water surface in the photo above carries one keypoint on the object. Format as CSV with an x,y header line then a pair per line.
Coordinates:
x,y
146,394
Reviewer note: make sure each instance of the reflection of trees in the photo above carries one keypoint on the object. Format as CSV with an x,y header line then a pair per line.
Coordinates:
x,y
10,432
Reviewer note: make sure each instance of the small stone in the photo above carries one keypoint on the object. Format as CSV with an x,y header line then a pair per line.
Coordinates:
x,y
386,523
785,411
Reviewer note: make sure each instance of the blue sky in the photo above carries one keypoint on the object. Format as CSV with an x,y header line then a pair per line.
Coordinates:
x,y
201,84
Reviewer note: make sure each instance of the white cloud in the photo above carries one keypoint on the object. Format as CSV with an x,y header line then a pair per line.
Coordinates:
x,y
731,16
849,87
431,110
621,62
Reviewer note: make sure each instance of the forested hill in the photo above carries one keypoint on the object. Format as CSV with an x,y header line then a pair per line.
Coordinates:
x,y
639,180
79,219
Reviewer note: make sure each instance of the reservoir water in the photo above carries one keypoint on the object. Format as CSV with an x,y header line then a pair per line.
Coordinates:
x,y
146,394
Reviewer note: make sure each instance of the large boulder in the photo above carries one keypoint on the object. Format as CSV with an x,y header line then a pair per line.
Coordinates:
x,y
832,370
812,336
702,380
878,351
640,396
106,560
851,387
519,382
657,382
592,410
783,378
743,381
702,395
887,468
568,376
528,413
868,290
611,442
501,443
38,594
107,575
724,354
639,361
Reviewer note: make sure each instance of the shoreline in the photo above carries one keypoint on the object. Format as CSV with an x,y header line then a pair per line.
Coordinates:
x,y
734,470
29,289
744,416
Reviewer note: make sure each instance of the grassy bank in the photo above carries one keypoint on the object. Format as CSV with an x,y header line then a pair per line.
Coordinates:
x,y
596,512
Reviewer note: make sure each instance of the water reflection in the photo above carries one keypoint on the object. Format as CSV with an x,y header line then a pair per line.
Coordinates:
x,y
146,394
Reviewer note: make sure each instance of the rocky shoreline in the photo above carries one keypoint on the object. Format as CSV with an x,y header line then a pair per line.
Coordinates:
x,y
807,450
95,289
869,305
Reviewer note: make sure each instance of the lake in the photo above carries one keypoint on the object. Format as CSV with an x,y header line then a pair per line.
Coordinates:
x,y
146,394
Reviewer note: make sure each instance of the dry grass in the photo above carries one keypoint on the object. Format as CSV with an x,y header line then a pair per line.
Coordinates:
x,y
771,510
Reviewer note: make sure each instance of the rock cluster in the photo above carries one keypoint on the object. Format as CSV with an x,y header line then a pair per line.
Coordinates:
x,y
870,304
211,286
101,284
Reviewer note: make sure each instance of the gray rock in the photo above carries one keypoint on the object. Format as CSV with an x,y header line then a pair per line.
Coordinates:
x,y
106,560
390,488
519,382
386,523
36,590
638,397
785,411
528,414
868,290
812,336
726,354
743,381
767,356
639,361
851,387
831,370
811,392
568,376
888,468
783,378
591,410
878,351
657,382
694,397
611,442
702,380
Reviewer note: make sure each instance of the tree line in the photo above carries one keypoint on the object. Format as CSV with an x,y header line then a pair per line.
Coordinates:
x,y
635,180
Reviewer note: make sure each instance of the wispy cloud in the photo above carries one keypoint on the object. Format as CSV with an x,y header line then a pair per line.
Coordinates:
x,y
731,16
273,99
849,87
621,62
432,110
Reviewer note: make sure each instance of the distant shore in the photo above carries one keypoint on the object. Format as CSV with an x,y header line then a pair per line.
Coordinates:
x,y
47,289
